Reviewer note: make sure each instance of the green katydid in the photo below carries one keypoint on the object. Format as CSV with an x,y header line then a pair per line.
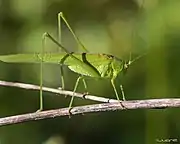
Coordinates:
x,y
84,64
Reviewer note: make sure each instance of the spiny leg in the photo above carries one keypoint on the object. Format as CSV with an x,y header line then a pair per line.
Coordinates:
x,y
61,63
60,15
62,77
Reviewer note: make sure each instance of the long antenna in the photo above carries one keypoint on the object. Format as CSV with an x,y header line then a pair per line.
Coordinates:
x,y
136,58
133,32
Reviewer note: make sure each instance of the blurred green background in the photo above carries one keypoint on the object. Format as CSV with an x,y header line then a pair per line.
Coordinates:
x,y
115,27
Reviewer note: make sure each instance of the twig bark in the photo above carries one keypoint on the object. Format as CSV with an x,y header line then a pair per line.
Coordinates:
x,y
125,105
109,105
57,91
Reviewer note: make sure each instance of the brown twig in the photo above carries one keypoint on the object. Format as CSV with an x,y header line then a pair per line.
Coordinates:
x,y
57,91
127,105
110,105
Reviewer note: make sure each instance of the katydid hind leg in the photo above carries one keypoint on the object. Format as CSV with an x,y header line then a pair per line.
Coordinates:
x,y
61,16
41,73
61,63
62,60
59,30
45,35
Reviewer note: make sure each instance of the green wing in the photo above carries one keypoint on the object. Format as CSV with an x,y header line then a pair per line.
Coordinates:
x,y
74,62
53,58
93,65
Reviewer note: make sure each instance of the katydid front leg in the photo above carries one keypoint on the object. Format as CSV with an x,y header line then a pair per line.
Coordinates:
x,y
117,96
113,85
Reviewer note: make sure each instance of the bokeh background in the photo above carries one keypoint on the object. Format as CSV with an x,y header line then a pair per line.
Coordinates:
x,y
115,27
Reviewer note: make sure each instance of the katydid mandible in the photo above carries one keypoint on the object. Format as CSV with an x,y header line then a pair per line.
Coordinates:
x,y
84,64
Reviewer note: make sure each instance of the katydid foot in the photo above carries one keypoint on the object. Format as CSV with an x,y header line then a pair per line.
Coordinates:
x,y
84,95
39,110
122,104
69,112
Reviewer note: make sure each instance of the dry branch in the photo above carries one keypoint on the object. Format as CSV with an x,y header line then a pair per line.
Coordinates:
x,y
125,105
109,105
56,91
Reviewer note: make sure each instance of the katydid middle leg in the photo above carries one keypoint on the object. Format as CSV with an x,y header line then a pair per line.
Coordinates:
x,y
61,69
76,86
74,90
